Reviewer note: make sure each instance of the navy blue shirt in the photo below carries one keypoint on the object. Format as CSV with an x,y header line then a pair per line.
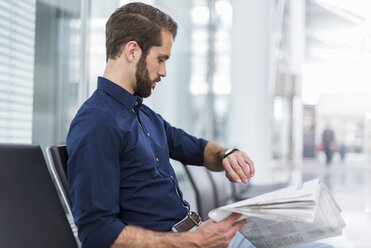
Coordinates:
x,y
119,169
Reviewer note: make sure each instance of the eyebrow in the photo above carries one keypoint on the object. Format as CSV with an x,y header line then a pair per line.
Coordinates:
x,y
164,56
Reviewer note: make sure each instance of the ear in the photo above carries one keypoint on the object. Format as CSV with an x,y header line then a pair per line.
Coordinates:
x,y
132,51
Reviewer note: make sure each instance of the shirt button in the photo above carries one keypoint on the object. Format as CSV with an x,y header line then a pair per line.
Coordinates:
x,y
157,160
148,134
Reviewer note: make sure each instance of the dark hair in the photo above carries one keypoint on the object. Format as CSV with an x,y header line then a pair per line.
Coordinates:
x,y
136,22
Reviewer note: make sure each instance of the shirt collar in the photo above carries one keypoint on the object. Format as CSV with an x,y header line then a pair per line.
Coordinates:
x,y
120,94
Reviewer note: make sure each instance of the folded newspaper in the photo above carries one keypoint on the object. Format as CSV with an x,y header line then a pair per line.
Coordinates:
x,y
287,217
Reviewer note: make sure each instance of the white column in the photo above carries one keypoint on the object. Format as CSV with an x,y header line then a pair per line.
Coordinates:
x,y
296,46
250,119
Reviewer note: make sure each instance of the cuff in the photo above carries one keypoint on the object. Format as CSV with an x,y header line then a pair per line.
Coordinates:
x,y
105,235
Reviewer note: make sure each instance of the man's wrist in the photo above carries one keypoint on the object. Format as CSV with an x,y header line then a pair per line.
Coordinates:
x,y
229,152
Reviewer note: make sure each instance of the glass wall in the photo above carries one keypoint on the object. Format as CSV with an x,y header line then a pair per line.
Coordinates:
x,y
40,63
57,69
17,49
52,52
210,83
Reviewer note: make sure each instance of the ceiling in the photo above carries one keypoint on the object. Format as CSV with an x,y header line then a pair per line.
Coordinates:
x,y
337,31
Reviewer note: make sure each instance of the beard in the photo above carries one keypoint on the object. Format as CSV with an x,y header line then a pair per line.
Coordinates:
x,y
144,82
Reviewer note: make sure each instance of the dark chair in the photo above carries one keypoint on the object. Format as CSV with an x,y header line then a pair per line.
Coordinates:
x,y
223,192
58,156
31,213
203,188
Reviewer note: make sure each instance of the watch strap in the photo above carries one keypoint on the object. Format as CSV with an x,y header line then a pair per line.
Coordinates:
x,y
229,152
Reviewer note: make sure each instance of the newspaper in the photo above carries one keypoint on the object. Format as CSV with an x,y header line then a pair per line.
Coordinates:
x,y
287,217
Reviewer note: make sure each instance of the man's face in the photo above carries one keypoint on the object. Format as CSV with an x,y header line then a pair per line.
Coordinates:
x,y
144,81
152,67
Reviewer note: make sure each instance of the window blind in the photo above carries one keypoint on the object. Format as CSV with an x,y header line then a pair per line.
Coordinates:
x,y
17,47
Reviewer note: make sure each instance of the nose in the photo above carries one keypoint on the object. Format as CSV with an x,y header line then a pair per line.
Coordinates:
x,y
162,70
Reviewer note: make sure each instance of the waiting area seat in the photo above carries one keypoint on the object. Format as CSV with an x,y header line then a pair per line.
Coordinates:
x,y
203,189
31,213
58,157
222,187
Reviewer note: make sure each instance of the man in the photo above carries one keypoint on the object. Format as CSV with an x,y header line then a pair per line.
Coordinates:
x,y
120,177
328,142
123,189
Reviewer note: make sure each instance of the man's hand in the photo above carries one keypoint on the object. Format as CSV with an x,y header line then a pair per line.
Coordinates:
x,y
214,235
209,235
238,167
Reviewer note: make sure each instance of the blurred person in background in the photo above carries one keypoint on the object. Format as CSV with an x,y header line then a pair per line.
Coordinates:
x,y
328,143
342,151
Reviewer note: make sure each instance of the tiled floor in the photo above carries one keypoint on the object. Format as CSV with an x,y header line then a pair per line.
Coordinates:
x,y
350,184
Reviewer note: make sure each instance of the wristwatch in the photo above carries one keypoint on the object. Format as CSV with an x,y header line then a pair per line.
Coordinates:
x,y
229,151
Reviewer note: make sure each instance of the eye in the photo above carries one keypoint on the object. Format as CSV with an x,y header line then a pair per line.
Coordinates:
x,y
160,60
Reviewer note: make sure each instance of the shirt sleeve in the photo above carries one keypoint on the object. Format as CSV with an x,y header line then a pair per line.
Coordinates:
x,y
184,147
94,148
